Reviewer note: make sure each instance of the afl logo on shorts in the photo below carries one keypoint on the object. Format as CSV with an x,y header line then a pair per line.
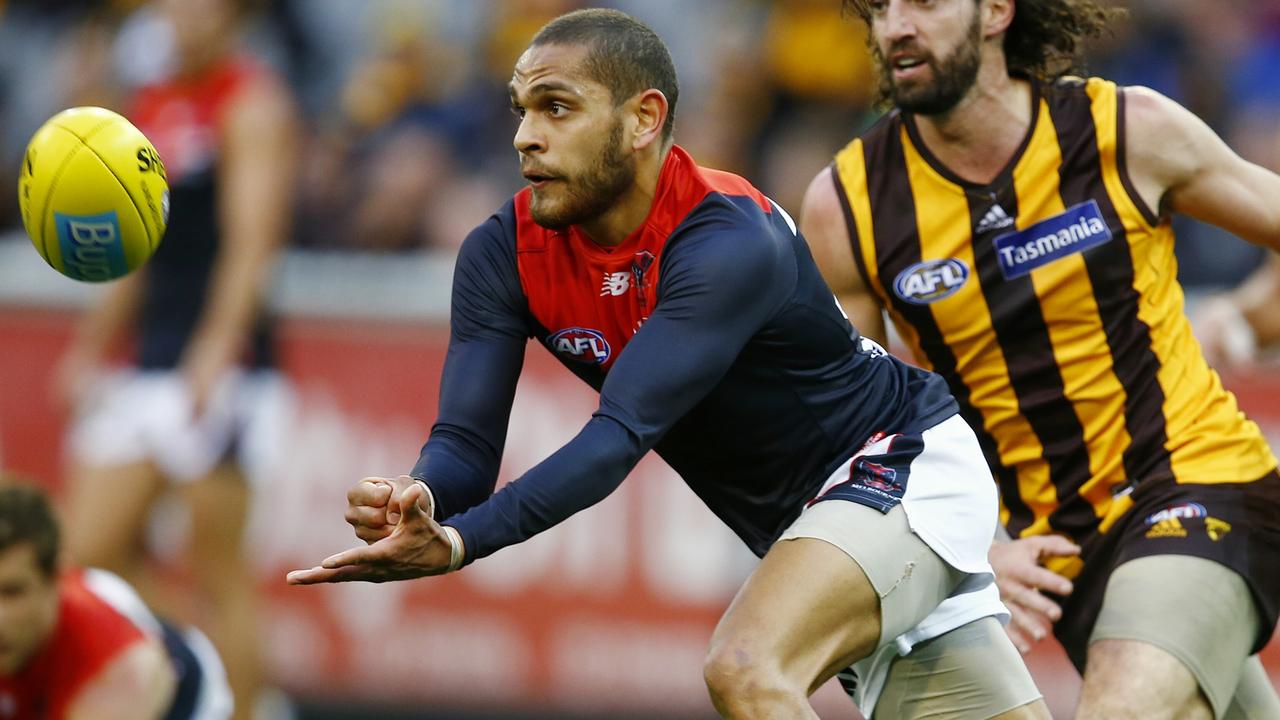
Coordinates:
x,y
580,345
930,281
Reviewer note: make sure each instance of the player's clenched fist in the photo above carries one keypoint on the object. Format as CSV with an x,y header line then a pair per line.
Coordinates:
x,y
415,546
373,505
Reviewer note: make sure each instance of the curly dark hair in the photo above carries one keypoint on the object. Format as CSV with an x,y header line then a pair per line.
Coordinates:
x,y
1045,39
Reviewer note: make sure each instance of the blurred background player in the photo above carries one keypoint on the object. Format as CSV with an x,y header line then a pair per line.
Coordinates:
x,y
1016,225
80,644
1235,327
202,369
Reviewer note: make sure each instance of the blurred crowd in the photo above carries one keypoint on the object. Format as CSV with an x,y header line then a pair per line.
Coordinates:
x,y
407,140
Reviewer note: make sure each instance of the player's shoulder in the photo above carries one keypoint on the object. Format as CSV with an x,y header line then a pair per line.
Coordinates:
x,y
91,631
730,236
487,259
497,232
823,211
692,196
101,605
1148,110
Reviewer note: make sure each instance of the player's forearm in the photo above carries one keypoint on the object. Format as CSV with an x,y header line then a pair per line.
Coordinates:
x,y
459,462
1259,302
579,475
459,472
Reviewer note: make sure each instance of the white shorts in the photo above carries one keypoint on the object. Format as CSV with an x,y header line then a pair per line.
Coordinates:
x,y
146,415
940,482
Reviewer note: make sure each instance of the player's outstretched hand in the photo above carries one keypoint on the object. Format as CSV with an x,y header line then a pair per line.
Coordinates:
x,y
415,547
374,504
1021,577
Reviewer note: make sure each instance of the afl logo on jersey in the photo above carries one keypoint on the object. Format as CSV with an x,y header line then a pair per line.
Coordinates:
x,y
930,281
580,344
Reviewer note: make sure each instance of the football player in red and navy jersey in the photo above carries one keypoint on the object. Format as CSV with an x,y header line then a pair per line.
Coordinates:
x,y
80,645
690,302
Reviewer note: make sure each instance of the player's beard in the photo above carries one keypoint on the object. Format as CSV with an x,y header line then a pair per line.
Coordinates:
x,y
588,194
952,78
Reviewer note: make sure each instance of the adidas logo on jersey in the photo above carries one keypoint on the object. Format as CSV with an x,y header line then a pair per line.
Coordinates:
x,y
995,219
1170,528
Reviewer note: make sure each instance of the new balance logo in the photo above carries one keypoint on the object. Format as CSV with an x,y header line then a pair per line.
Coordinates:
x,y
995,219
615,284
1170,528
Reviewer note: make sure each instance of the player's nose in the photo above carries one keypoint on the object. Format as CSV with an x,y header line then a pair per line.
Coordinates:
x,y
528,139
898,22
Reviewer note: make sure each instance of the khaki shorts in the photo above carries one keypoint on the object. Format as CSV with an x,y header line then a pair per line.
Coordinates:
x,y
963,666
1203,614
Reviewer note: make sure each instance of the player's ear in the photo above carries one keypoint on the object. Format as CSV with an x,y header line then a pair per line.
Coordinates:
x,y
996,16
648,113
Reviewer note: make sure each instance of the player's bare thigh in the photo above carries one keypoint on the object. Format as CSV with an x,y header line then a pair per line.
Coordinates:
x,y
106,510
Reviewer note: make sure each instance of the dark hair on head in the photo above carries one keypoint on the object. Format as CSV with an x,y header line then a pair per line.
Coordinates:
x,y
27,517
623,54
1045,39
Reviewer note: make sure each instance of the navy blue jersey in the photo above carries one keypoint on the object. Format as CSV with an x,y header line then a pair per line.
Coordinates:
x,y
711,338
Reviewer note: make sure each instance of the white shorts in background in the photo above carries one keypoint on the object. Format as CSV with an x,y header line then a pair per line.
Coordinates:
x,y
898,497
141,415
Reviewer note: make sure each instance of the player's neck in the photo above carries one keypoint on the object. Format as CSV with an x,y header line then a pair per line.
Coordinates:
x,y
979,136
195,62
616,224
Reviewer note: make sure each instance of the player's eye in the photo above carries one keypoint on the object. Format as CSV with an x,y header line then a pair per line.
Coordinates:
x,y
557,109
518,111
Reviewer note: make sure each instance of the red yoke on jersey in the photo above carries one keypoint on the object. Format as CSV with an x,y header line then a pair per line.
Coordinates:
x,y
592,299
183,118
89,634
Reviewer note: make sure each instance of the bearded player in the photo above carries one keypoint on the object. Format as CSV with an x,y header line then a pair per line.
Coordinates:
x,y
1015,223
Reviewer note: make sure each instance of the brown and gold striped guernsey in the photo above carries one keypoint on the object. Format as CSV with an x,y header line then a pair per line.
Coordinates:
x,y
1049,300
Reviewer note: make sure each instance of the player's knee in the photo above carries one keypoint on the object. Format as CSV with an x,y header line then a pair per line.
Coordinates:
x,y
743,681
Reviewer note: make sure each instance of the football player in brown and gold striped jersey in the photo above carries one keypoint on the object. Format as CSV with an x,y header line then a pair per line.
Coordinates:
x,y
1014,221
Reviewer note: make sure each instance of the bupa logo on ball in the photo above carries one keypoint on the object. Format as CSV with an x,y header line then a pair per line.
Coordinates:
x,y
90,245
580,344
1184,511
930,281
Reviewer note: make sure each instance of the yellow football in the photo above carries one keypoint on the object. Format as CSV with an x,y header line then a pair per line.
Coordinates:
x,y
93,194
